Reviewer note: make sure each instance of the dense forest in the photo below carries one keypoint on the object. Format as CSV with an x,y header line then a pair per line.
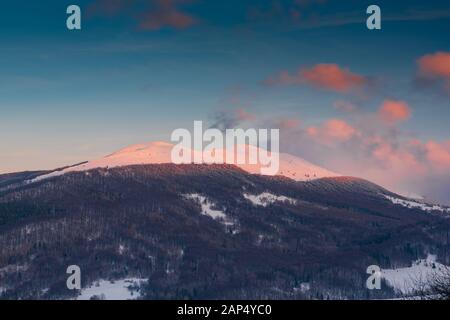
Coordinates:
x,y
137,221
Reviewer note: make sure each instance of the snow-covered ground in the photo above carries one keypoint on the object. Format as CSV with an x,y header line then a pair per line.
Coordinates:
x,y
418,205
112,290
159,152
264,199
410,279
293,167
303,288
139,154
207,209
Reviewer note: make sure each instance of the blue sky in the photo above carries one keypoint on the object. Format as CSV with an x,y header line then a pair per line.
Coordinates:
x,y
68,96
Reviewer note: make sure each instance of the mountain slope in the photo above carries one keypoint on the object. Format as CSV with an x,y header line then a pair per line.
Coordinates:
x,y
193,231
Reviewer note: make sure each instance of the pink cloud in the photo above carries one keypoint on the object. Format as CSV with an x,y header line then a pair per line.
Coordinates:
x,y
155,14
435,65
434,70
324,76
393,111
288,124
332,77
397,157
438,153
364,147
333,130
166,14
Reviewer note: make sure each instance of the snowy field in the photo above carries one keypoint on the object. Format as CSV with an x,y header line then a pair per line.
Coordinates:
x,y
410,279
112,290
264,199
418,205
207,209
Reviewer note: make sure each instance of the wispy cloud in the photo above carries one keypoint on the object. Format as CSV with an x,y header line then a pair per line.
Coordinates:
x,y
323,76
228,119
149,14
355,17
310,14
166,14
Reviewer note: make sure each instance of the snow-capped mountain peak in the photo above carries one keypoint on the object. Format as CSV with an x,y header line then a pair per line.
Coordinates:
x,y
159,152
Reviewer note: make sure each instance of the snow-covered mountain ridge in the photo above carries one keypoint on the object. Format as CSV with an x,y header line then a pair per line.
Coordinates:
x,y
160,153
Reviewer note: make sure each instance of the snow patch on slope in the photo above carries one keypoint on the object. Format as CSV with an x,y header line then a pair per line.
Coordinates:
x,y
207,209
408,280
264,199
124,289
418,205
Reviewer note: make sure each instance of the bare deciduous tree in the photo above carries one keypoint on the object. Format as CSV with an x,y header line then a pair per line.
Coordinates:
x,y
440,285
